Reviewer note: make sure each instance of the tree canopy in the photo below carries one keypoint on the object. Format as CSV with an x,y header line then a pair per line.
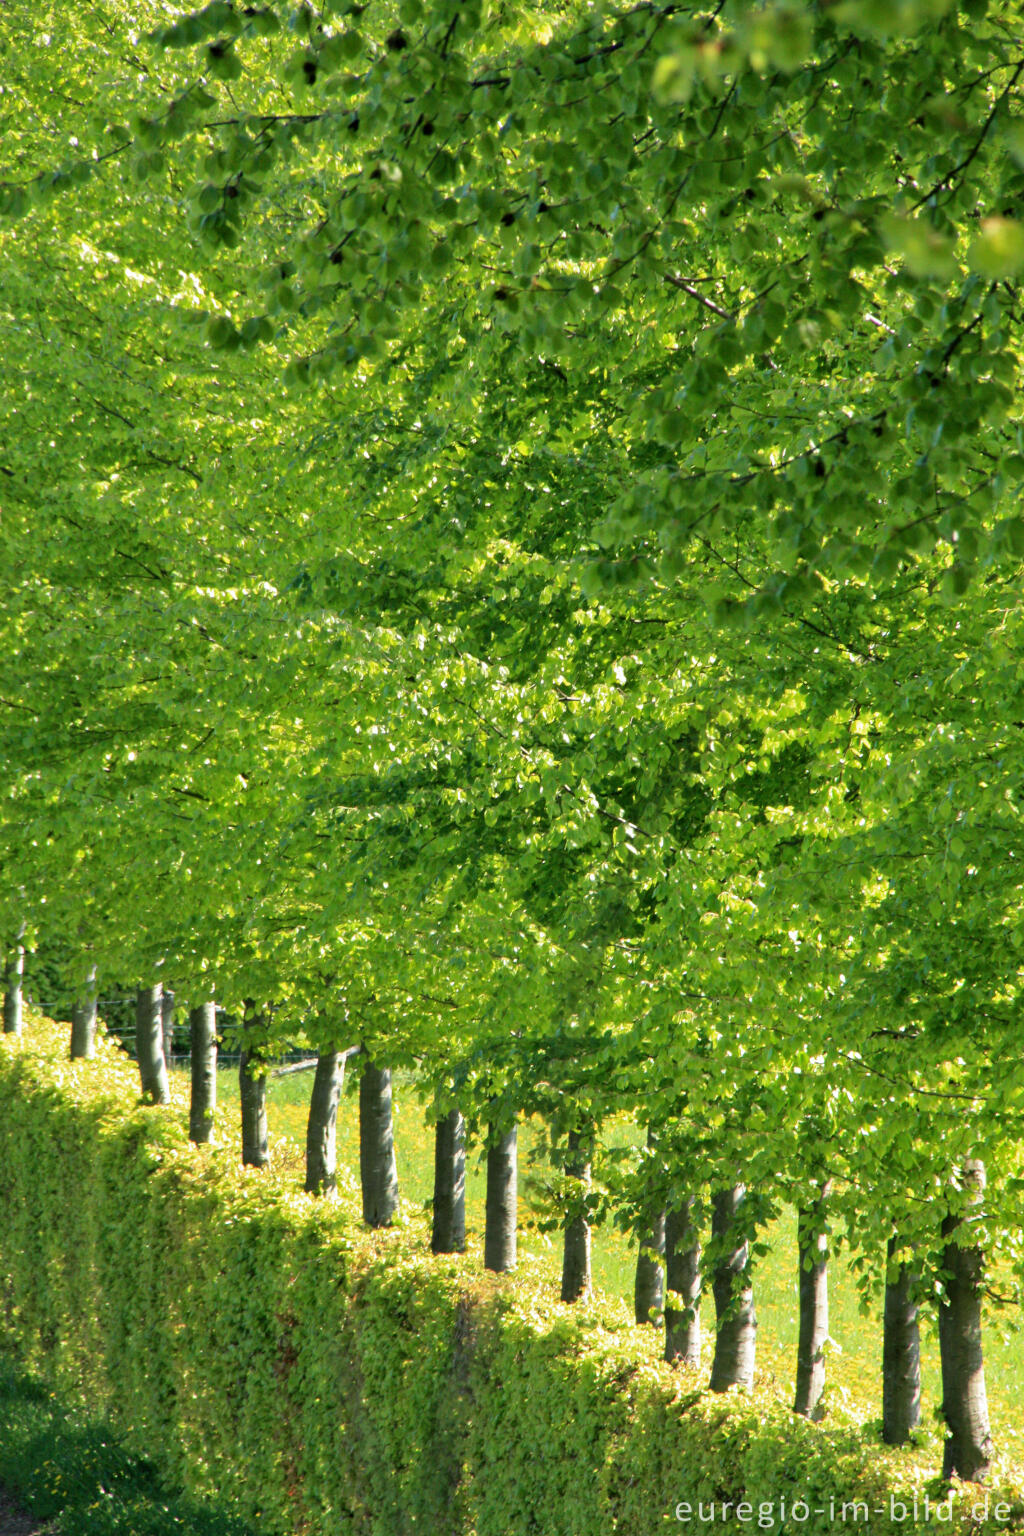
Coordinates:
x,y
512,543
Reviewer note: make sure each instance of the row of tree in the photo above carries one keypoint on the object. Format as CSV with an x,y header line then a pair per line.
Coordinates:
x,y
512,551
672,1271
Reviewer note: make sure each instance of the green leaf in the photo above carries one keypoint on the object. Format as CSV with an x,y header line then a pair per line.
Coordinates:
x,y
997,252
926,251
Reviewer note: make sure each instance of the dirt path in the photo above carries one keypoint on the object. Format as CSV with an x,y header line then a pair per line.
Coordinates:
x,y
13,1520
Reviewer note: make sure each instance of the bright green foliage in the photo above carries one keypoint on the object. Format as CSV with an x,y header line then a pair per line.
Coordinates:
x,y
777,236
602,687
257,1345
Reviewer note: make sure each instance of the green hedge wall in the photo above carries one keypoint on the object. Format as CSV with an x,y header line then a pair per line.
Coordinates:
x,y
263,1347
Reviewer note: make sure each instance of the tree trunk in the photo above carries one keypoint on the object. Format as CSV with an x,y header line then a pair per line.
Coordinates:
x,y
14,971
322,1125
167,1023
149,1045
377,1170
502,1212
202,1028
736,1323
253,1093
812,1253
649,1281
682,1282
83,1022
576,1276
901,1353
968,1449
448,1233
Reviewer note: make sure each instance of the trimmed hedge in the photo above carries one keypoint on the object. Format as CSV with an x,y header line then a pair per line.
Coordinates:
x,y
259,1345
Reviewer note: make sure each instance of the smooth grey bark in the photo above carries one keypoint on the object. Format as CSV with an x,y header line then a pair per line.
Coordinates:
x,y
502,1214
149,1045
83,1022
14,971
252,1088
202,1029
377,1170
901,1353
736,1321
577,1280
649,1281
296,1066
968,1448
448,1228
812,1256
682,1284
167,1023
322,1124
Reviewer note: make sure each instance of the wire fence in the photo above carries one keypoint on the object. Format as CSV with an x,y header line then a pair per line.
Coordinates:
x,y
118,1015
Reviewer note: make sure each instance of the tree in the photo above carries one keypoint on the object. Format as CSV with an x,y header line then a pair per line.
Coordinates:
x,y
448,1224
83,1020
202,1020
14,970
149,1044
601,688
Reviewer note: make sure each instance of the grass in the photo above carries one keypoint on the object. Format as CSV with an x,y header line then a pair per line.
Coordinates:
x,y
854,1366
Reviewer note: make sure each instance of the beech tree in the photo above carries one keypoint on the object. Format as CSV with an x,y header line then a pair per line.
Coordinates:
x,y
610,628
